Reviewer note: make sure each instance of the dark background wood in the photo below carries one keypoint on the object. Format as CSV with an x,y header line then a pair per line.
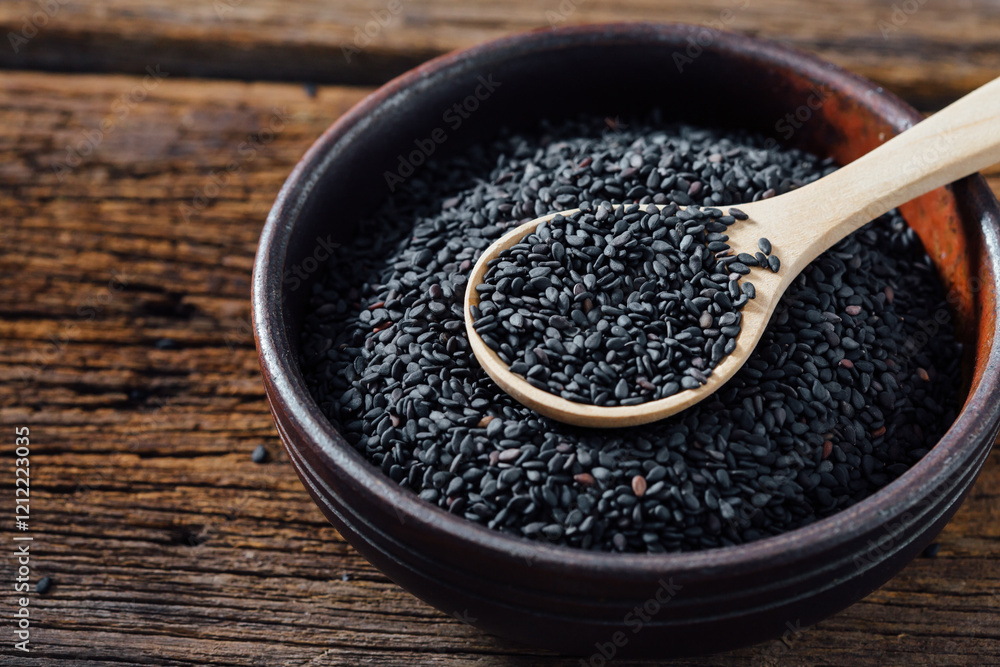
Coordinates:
x,y
125,343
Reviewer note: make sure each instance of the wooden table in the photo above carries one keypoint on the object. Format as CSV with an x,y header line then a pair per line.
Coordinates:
x,y
125,343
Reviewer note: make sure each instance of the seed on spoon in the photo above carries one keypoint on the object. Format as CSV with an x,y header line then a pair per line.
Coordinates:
x,y
649,291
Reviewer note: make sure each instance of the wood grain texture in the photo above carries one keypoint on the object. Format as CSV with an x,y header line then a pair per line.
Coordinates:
x,y
125,347
932,50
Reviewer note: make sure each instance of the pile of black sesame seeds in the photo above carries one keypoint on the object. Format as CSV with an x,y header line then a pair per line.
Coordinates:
x,y
843,394
618,305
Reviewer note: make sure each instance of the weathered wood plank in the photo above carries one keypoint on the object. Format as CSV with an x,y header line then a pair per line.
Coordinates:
x,y
167,545
930,50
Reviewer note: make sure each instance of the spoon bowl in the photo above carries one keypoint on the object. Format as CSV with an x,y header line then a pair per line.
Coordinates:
x,y
956,142
755,315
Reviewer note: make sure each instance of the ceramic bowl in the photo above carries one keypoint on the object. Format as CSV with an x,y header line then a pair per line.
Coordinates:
x,y
570,600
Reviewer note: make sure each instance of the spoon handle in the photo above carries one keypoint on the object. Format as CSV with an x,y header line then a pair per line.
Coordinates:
x,y
959,140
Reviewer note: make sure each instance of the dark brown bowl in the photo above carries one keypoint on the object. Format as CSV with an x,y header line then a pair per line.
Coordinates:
x,y
572,600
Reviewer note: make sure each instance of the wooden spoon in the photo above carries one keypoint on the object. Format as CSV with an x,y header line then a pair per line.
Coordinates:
x,y
957,141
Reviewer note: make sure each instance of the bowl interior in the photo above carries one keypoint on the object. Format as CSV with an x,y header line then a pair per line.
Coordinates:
x,y
730,81
615,77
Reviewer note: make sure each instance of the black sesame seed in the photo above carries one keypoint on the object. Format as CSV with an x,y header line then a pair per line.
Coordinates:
x,y
259,454
751,461
614,335
43,585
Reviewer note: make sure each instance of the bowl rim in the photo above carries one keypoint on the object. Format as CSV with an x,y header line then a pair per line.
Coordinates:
x,y
286,387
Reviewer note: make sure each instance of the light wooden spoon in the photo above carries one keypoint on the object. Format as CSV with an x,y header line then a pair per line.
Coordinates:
x,y
957,141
